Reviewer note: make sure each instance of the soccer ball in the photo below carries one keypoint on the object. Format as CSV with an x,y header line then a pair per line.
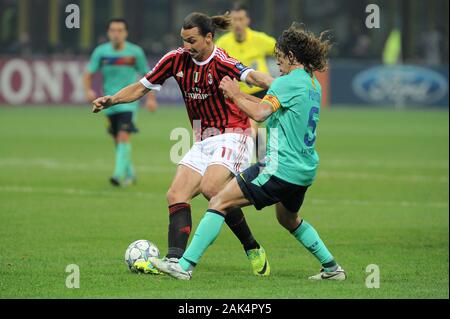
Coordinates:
x,y
140,250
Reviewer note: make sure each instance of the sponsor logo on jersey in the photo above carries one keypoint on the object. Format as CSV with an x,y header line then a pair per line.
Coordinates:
x,y
197,94
180,74
124,60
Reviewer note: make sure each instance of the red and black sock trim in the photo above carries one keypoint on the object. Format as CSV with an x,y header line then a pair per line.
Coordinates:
x,y
178,206
180,225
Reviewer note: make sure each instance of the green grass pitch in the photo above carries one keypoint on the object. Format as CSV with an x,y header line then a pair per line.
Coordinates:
x,y
381,197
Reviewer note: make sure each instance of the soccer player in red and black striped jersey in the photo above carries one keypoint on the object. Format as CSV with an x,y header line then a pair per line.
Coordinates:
x,y
225,147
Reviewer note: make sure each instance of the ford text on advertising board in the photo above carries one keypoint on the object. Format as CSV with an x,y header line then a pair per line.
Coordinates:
x,y
400,85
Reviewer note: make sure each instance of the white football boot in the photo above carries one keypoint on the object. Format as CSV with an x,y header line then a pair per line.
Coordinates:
x,y
339,274
170,268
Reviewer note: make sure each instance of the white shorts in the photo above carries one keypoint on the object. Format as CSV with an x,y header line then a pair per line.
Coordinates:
x,y
232,150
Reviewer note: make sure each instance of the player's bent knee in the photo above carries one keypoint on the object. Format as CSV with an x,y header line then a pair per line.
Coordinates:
x,y
123,136
173,196
216,203
170,196
209,191
288,222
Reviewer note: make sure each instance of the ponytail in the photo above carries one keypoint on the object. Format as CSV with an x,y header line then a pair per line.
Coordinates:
x,y
222,22
207,24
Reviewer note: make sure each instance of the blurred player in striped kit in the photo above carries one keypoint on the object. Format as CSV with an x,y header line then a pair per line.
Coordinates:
x,y
120,62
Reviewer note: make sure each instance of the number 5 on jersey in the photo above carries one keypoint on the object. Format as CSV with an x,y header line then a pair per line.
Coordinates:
x,y
312,123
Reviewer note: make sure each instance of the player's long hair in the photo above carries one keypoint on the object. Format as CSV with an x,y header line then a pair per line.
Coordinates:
x,y
207,24
306,48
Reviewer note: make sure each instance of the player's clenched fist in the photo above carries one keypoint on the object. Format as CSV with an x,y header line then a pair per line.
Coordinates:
x,y
229,87
101,103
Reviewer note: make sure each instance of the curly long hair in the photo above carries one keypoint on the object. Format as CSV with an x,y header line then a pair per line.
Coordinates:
x,y
305,47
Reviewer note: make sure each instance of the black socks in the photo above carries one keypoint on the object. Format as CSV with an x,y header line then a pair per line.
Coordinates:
x,y
180,224
236,221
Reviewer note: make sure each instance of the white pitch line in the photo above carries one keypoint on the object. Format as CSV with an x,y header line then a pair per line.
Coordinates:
x,y
314,201
351,202
387,164
435,164
97,165
75,191
382,177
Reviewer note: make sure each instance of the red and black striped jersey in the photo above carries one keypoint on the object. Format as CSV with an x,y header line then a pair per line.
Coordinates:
x,y
199,83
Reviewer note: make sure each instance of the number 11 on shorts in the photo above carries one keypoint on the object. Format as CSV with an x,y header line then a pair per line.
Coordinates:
x,y
226,152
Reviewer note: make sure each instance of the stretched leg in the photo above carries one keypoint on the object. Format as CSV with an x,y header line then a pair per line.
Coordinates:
x,y
215,179
210,225
305,234
185,186
207,231
286,218
310,239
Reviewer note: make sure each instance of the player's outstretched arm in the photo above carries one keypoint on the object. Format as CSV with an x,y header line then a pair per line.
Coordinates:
x,y
128,94
259,79
89,93
255,109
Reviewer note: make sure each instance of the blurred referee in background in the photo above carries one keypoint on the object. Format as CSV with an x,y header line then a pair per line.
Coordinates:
x,y
251,48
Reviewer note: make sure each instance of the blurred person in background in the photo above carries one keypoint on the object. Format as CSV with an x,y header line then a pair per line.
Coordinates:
x,y
251,48
392,51
432,45
120,62
248,46
357,45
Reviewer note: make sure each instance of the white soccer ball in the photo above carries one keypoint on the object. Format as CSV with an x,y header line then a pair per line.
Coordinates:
x,y
140,250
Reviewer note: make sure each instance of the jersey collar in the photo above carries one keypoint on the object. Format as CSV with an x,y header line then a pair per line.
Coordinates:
x,y
208,59
124,47
248,36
